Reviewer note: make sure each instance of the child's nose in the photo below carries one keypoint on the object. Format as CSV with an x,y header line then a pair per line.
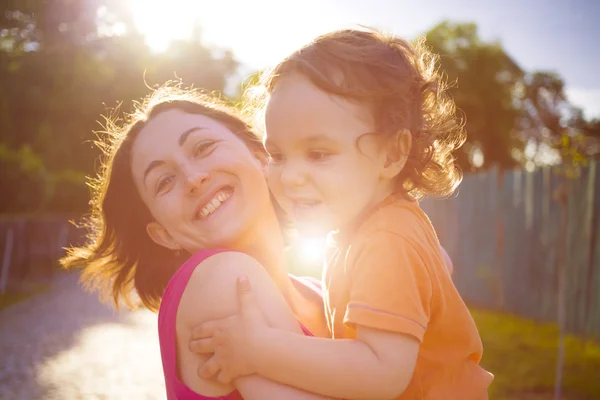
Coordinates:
x,y
293,174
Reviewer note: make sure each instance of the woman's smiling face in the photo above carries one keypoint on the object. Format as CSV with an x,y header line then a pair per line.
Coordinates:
x,y
201,183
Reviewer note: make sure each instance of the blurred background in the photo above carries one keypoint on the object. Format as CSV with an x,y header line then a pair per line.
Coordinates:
x,y
522,230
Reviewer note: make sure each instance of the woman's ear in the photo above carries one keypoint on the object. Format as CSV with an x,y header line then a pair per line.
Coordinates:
x,y
160,236
396,154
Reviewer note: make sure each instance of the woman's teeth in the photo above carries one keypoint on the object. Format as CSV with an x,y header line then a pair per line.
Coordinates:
x,y
214,204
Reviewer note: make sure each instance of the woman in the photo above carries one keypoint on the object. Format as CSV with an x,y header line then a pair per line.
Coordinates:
x,y
183,176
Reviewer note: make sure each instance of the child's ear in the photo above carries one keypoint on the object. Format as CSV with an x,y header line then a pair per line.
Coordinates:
x,y
160,236
396,153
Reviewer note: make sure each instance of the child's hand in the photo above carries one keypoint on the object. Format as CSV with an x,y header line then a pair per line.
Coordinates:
x,y
233,340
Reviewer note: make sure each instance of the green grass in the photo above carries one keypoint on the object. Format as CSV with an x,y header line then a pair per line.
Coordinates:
x,y
522,356
12,297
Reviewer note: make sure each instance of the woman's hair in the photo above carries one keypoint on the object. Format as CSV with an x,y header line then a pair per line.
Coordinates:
x,y
398,83
119,256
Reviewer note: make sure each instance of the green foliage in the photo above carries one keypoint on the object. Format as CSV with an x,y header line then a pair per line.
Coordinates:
x,y
29,186
23,179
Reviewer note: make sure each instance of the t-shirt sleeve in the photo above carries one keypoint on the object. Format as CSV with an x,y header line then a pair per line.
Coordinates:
x,y
390,286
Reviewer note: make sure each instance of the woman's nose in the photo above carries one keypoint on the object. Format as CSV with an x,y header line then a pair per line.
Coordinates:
x,y
195,179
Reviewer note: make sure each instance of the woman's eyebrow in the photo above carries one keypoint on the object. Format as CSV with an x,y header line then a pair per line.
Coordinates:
x,y
187,133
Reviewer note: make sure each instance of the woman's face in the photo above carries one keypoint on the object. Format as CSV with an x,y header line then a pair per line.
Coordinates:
x,y
203,186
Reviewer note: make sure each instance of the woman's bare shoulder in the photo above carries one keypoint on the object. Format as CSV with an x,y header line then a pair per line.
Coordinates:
x,y
211,290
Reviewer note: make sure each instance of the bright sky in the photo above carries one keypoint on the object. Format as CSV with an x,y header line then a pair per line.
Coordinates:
x,y
540,34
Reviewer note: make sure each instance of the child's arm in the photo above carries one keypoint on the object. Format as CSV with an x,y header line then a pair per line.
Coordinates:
x,y
377,364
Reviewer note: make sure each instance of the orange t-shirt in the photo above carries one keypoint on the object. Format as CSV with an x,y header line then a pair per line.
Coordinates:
x,y
390,274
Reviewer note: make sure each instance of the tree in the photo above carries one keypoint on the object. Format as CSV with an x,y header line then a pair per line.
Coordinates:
x,y
507,110
484,78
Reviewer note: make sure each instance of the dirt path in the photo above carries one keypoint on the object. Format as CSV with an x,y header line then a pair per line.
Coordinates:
x,y
65,344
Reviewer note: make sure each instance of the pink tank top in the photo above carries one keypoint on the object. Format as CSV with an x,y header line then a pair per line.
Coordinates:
x,y
167,315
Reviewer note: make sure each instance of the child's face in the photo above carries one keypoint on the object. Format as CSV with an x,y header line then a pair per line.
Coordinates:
x,y
321,173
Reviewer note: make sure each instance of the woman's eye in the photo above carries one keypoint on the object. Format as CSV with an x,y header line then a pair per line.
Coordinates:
x,y
203,147
162,183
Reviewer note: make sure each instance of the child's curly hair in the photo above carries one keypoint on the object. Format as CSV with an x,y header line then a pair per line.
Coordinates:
x,y
401,86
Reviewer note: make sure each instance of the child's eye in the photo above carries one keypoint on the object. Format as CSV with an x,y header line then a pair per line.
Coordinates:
x,y
318,155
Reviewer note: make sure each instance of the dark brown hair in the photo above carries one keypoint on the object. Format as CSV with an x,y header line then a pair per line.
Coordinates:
x,y
119,256
399,84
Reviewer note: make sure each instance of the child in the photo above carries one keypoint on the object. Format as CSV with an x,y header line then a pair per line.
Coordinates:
x,y
358,127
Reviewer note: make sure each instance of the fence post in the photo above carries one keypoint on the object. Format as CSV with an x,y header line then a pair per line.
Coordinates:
x,y
562,198
6,260
529,199
589,220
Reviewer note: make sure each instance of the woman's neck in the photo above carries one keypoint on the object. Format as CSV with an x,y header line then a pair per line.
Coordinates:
x,y
267,246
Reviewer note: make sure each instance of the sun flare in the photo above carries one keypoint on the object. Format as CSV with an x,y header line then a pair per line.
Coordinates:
x,y
312,250
259,32
162,22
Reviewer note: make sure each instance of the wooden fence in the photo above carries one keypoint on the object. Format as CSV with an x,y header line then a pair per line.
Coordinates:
x,y
31,246
506,237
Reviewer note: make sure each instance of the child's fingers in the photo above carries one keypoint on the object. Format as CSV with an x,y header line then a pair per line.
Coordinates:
x,y
247,302
202,346
243,285
224,377
246,299
207,329
210,368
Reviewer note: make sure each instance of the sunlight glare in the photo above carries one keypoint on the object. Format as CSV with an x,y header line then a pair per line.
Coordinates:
x,y
101,355
259,32
312,249
162,22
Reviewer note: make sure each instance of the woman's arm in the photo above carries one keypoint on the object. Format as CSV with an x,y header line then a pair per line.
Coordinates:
x,y
375,365
211,294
